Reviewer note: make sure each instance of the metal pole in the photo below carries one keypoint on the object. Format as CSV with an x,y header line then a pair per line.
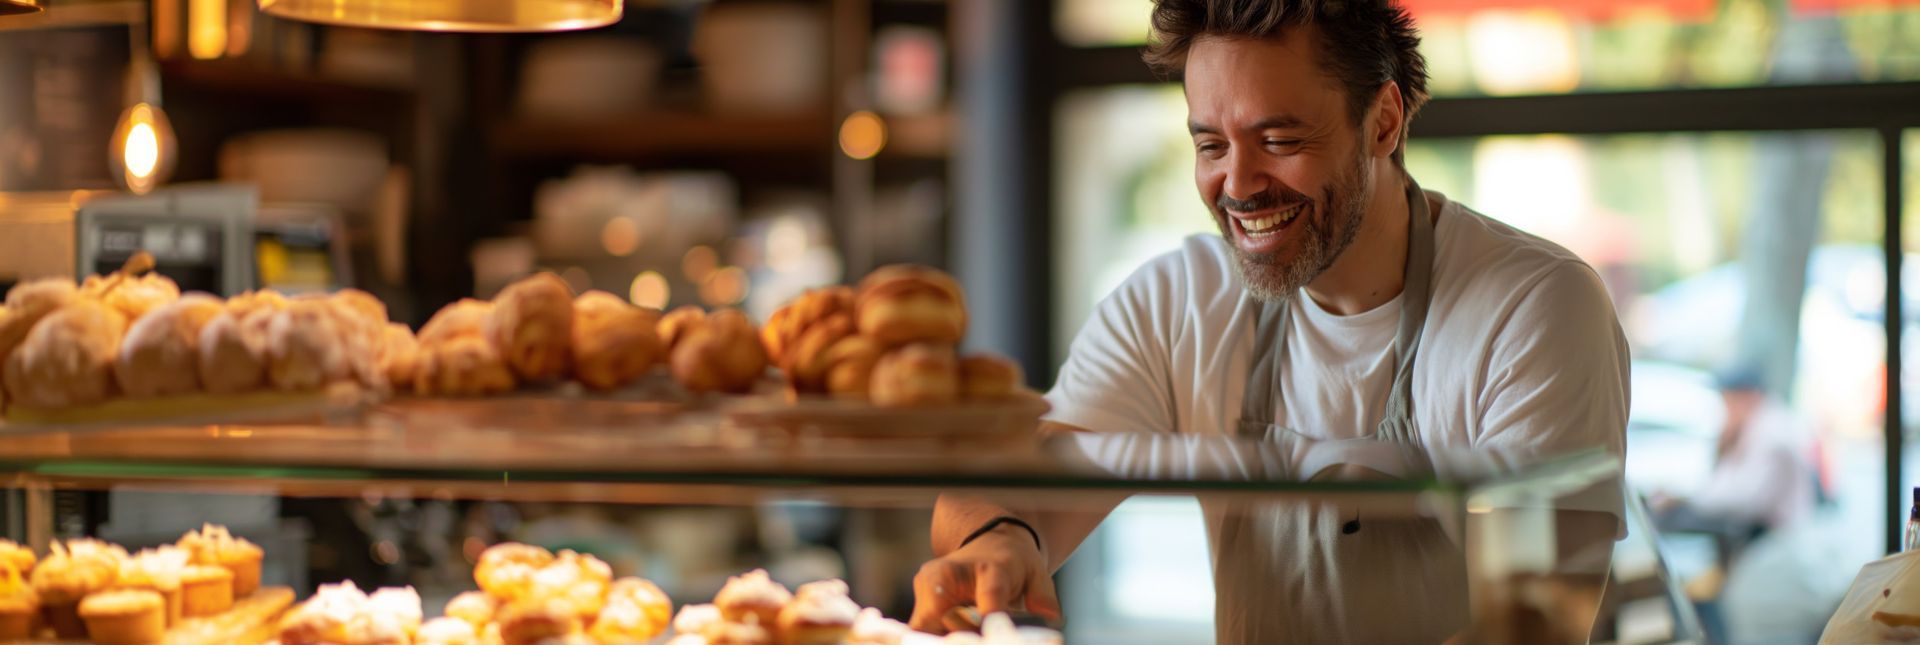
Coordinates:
x,y
1892,176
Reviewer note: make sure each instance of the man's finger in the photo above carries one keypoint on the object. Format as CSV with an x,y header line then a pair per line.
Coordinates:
x,y
1042,599
993,588
936,589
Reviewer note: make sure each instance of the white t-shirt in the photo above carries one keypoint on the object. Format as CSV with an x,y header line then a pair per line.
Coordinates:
x,y
1521,353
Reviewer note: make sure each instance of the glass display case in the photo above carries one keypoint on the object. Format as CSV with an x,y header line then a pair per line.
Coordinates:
x,y
687,494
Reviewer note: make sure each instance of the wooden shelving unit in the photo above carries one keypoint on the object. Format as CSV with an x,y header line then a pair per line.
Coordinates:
x,y
663,135
239,78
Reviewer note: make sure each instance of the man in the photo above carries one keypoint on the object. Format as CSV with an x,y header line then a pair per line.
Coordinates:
x,y
1339,302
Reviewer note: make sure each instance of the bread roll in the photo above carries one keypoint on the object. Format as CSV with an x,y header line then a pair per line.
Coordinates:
x,y
462,366
806,366
304,347
614,342
467,317
904,304
674,326
135,297
784,329
850,364
67,360
920,374
722,354
27,303
988,376
532,326
399,356
161,352
233,351
262,300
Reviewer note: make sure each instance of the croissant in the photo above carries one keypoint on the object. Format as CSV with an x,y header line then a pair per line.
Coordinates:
x,y
850,364
462,366
921,374
987,376
674,326
67,359
785,327
806,367
903,304
532,325
614,343
721,355
161,352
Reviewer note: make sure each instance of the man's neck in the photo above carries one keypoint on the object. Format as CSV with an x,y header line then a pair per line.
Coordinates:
x,y
1372,270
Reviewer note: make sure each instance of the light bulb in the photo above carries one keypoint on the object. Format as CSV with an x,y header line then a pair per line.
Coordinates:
x,y
143,148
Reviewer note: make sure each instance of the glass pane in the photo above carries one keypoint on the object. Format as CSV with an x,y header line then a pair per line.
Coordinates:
x,y
1511,47
1750,255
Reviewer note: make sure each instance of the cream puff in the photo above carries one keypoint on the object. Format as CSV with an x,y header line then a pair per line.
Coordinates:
x,y
67,360
532,326
160,355
694,619
752,597
821,614
475,607
233,352
581,581
505,571
636,611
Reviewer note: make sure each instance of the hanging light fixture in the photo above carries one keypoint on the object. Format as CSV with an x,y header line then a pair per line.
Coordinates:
x,y
142,150
452,15
17,7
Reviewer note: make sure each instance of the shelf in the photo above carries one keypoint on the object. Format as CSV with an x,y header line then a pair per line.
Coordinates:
x,y
664,134
239,79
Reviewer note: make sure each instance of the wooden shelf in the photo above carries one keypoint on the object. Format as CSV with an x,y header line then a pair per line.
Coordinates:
x,y
240,79
664,134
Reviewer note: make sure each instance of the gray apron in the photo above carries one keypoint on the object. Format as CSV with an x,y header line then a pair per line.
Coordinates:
x,y
1309,573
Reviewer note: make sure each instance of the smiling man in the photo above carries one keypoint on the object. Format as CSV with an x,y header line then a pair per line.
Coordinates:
x,y
1340,302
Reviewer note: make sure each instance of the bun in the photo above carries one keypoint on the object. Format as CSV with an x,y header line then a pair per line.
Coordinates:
x,y
921,374
67,360
614,343
903,304
721,355
532,326
161,352
988,376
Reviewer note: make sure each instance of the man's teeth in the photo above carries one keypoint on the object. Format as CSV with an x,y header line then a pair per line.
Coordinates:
x,y
1264,224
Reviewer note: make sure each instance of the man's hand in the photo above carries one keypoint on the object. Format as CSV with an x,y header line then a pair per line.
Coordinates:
x,y
999,571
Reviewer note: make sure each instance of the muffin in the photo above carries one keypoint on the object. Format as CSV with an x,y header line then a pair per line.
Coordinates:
x,y
474,607
213,545
505,571
820,614
752,597
19,605
447,631
19,556
158,570
532,326
124,617
205,590
635,611
916,375
71,572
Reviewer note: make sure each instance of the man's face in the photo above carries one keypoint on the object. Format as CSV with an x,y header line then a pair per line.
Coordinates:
x,y
1278,158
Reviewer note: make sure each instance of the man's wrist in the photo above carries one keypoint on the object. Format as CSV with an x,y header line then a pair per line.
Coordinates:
x,y
1008,526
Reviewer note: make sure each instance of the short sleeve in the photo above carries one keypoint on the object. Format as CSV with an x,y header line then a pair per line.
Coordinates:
x,y
1557,378
1117,377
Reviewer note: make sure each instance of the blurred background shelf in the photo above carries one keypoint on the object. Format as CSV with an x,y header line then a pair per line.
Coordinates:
x,y
663,134
243,80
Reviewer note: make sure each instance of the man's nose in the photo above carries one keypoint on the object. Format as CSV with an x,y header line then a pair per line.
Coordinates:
x,y
1245,178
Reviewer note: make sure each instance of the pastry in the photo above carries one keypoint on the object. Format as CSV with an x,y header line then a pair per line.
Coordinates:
x,y
341,614
19,605
998,629
399,356
19,556
721,355
447,631
806,366
233,352
466,317
67,360
850,365
694,619
27,303
245,304
132,296
532,326
160,355
532,621
581,581
72,571
361,320
872,628
987,376
124,617
752,597
903,304
463,366
158,570
614,342
636,611
213,545
916,375
474,607
205,590
687,639
674,326
820,614
304,348
784,328
391,615
725,633
505,571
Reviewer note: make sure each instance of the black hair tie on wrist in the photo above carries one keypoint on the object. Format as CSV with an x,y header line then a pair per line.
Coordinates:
x,y
995,523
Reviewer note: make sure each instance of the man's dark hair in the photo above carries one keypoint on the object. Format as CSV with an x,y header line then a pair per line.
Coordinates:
x,y
1363,43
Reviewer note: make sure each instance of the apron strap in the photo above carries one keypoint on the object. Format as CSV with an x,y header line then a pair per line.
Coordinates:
x,y
1416,294
1263,372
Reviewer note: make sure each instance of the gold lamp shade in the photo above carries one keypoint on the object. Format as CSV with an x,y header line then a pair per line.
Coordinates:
x,y
449,15
16,7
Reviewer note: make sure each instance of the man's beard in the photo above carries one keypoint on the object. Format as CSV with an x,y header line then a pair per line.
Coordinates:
x,y
1267,275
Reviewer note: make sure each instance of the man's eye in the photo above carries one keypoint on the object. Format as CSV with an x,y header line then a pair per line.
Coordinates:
x,y
1208,147
1285,143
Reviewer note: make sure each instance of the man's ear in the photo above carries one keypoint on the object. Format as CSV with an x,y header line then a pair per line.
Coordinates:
x,y
1386,121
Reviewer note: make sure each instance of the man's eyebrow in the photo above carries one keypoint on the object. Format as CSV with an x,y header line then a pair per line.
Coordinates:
x,y
1197,128
1276,122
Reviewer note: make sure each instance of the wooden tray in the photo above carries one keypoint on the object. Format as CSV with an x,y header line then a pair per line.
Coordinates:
x,y
342,400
